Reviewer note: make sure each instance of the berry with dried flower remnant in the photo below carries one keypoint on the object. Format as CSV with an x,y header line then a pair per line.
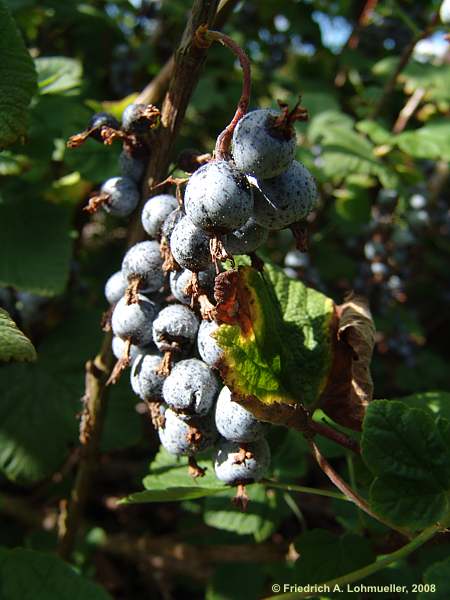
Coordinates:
x,y
260,148
237,463
143,262
186,438
99,120
119,349
175,329
133,322
119,196
180,280
138,119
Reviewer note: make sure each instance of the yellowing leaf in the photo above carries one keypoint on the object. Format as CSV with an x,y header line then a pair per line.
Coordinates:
x,y
14,345
277,336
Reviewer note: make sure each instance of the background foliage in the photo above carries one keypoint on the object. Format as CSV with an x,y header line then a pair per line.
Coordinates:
x,y
381,229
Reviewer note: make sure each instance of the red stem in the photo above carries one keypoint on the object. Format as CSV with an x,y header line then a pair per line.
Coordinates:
x,y
342,486
335,436
206,36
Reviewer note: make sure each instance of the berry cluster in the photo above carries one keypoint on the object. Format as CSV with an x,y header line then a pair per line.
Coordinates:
x,y
163,315
120,195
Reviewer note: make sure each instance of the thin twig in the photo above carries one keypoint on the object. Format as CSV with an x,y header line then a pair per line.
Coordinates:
x,y
408,110
95,401
301,489
335,436
154,92
204,38
347,490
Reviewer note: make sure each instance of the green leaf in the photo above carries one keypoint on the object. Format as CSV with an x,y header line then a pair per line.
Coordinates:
x,y
171,494
437,576
169,480
325,556
408,452
375,132
431,141
36,246
263,514
322,122
31,575
14,345
434,79
281,350
40,401
345,152
436,403
58,75
17,80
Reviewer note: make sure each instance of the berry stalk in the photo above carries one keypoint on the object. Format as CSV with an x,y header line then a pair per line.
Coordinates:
x,y
204,37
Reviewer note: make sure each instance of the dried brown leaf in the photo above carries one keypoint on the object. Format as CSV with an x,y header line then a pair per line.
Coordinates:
x,y
350,387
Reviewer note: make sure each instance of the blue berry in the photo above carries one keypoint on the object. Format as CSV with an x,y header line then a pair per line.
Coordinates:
x,y
115,287
190,246
286,199
170,222
234,422
123,196
247,238
99,120
191,388
175,328
143,261
131,167
155,212
208,348
218,198
146,380
186,438
118,348
180,279
232,468
134,119
260,149
133,322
